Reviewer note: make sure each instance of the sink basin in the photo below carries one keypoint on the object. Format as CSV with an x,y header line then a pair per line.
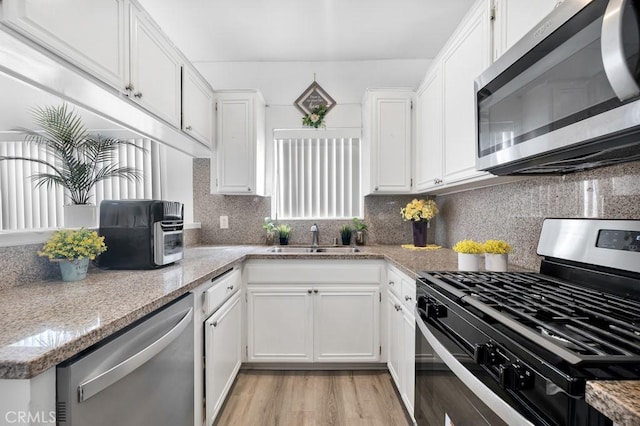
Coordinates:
x,y
300,250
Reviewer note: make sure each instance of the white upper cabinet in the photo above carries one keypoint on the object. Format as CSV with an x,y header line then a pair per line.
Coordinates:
x,y
90,34
514,18
387,128
155,69
197,106
240,143
466,57
428,141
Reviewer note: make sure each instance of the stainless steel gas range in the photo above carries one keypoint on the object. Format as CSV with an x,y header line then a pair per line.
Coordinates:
x,y
517,348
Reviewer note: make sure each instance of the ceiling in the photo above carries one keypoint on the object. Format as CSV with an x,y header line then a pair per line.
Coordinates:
x,y
304,30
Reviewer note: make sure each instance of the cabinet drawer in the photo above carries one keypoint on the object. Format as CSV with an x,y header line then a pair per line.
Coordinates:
x,y
409,293
314,272
394,282
223,288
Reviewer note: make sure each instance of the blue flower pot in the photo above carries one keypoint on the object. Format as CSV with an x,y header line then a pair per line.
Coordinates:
x,y
74,270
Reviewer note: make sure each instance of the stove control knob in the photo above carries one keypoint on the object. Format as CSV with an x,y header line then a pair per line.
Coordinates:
x,y
515,377
486,354
435,309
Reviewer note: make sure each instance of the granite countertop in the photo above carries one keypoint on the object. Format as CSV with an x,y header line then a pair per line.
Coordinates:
x,y
47,322
618,400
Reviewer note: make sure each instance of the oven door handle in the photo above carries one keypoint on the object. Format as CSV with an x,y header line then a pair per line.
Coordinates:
x,y
498,405
622,80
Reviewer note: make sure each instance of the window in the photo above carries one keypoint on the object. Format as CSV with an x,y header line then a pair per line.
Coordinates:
x,y
318,174
22,206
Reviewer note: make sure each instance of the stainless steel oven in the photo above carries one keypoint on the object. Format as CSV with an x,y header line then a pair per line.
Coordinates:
x,y
567,96
519,347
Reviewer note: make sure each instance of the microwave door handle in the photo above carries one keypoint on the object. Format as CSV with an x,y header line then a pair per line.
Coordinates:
x,y
615,63
97,384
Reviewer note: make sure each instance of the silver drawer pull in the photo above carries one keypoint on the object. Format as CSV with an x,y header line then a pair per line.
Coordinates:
x,y
392,283
230,287
407,298
214,324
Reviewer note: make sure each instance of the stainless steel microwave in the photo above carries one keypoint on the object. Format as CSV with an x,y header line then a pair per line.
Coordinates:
x,y
567,96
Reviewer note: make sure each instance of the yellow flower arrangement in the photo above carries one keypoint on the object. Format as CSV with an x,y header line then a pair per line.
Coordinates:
x,y
73,244
418,210
496,247
468,247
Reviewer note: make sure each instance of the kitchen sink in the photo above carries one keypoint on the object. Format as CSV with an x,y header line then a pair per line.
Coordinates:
x,y
320,250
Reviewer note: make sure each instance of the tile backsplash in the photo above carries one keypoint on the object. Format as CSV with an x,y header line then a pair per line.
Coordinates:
x,y
515,211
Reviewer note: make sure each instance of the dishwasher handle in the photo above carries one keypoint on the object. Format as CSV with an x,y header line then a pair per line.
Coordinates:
x,y
97,384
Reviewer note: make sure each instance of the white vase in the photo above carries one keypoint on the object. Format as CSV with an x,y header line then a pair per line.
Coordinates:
x,y
468,262
81,215
495,262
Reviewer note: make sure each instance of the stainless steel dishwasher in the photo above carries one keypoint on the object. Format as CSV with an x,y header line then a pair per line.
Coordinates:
x,y
141,376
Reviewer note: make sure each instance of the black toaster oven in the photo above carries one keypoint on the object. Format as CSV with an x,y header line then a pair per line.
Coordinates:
x,y
141,234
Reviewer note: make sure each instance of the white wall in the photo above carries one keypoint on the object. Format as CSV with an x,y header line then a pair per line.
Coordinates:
x,y
178,185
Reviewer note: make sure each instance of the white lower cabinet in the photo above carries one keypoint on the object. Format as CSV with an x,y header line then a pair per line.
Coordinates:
x,y
223,354
401,334
313,311
279,323
303,323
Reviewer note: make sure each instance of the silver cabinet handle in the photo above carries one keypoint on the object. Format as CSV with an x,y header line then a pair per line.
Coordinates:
x,y
230,287
214,324
138,95
309,291
128,87
398,307
315,291
392,283
90,387
615,64
249,188
188,128
407,298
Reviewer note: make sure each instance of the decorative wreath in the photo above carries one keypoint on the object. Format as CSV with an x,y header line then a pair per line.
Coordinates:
x,y
316,117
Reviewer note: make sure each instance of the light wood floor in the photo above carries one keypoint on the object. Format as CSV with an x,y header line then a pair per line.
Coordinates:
x,y
302,398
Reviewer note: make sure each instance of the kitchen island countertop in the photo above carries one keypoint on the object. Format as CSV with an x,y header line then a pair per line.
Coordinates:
x,y
619,400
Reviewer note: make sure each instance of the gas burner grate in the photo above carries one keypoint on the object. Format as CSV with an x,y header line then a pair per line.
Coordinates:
x,y
593,325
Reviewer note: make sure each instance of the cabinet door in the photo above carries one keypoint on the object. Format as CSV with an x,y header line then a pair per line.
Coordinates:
x,y
466,58
407,367
390,135
223,355
90,34
346,325
197,106
394,336
514,18
155,70
280,324
235,146
429,142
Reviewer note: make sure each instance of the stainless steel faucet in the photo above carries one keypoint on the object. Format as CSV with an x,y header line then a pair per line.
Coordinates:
x,y
314,235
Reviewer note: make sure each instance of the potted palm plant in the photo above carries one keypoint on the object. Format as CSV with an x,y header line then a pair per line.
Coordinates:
x,y
75,159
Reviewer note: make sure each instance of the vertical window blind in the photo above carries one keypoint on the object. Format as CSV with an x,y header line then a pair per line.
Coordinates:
x,y
23,206
318,174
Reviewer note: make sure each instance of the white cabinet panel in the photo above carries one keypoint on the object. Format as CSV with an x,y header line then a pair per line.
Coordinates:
x,y
240,143
155,69
514,18
223,353
90,34
394,336
388,140
346,326
197,106
280,324
465,59
429,132
407,367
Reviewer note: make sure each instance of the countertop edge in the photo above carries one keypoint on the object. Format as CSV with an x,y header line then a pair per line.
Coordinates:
x,y
616,399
